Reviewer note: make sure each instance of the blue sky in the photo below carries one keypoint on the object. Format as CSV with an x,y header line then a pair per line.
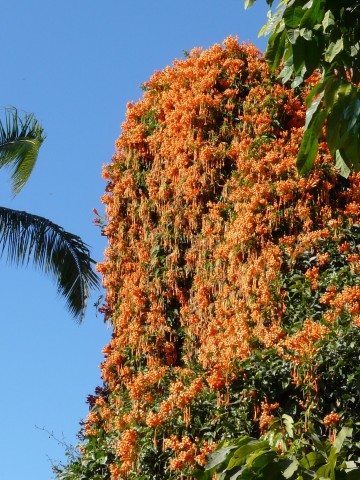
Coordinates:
x,y
76,64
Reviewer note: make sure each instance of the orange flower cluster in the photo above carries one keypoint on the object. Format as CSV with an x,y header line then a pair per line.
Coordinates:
x,y
185,449
203,201
302,344
331,420
348,299
126,451
266,416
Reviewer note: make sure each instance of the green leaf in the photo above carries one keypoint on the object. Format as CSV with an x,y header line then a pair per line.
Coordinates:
x,y
274,471
249,3
293,34
316,90
339,130
313,14
298,80
345,432
352,111
315,118
216,458
293,15
201,474
274,23
311,459
299,54
324,473
331,85
354,50
307,152
286,73
313,110
291,469
289,424
351,151
334,49
306,34
275,49
240,455
331,463
312,56
259,460
328,20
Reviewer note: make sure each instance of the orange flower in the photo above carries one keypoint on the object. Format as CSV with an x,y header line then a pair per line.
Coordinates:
x,y
331,420
266,416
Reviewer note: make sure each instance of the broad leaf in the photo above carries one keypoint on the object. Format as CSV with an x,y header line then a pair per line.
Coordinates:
x,y
338,134
313,110
332,85
216,458
345,432
316,90
289,424
274,22
312,459
334,49
351,151
261,459
312,56
293,15
342,164
240,455
291,469
307,151
275,49
286,73
328,20
293,35
313,15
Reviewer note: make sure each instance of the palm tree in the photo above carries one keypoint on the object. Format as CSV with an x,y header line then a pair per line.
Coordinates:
x,y
25,237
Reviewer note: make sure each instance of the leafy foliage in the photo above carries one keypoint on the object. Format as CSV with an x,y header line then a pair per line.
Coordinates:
x,y
284,453
321,35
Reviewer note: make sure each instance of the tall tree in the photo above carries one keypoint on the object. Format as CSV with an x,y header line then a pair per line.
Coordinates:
x,y
25,237
324,36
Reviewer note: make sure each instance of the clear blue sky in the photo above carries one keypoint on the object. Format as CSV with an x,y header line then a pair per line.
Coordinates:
x,y
76,64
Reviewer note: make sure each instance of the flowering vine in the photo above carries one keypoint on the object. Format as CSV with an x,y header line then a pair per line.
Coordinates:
x,y
227,274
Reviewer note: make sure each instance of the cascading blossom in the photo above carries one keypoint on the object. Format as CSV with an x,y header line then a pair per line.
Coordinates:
x,y
213,239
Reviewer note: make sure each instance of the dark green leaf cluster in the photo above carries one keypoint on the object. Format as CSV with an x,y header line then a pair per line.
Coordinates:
x,y
92,464
283,453
321,36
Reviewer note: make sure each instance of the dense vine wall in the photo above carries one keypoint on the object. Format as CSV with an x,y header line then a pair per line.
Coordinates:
x,y
232,283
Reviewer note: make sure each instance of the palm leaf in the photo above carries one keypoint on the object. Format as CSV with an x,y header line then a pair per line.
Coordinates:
x,y
61,254
20,141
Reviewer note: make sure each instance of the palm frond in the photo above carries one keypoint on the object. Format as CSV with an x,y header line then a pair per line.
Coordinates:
x,y
20,141
64,256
